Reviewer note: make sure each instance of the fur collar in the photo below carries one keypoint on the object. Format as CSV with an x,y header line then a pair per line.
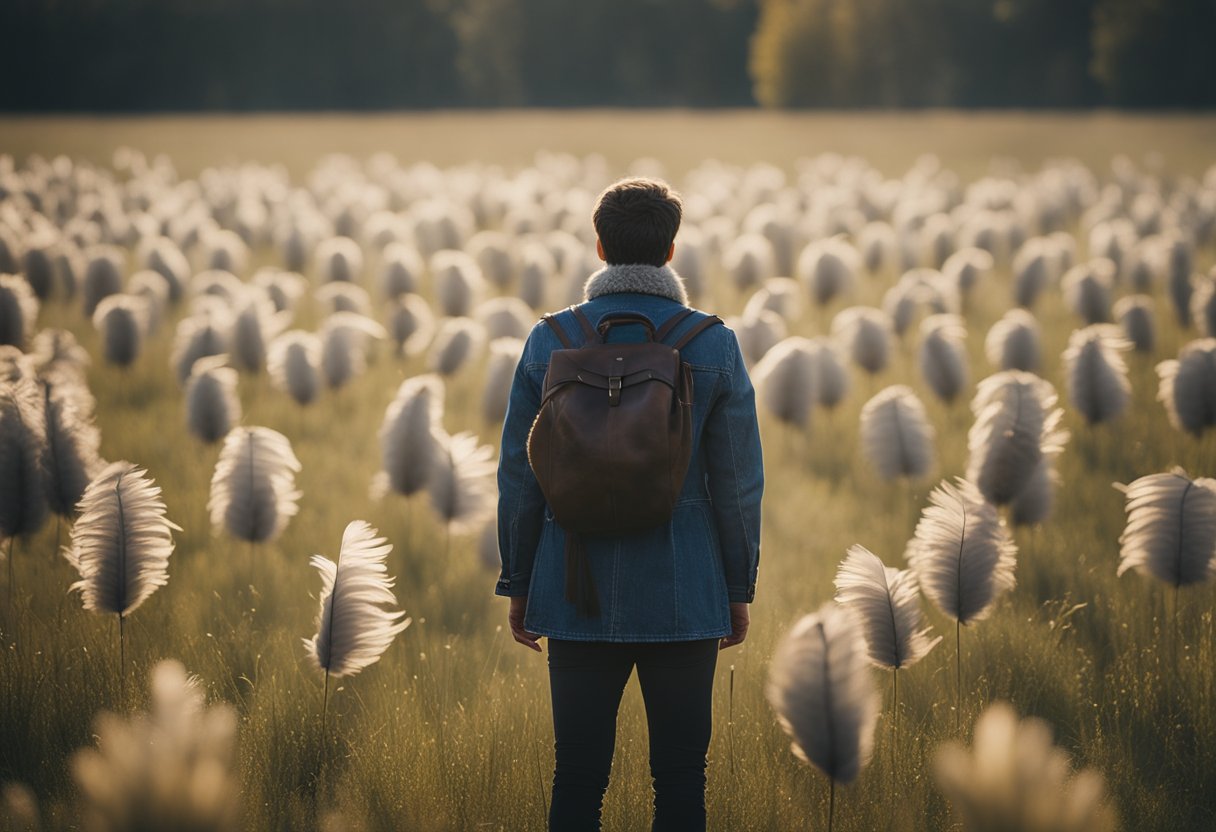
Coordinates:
x,y
636,277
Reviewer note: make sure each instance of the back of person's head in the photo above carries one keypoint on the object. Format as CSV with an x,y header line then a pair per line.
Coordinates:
x,y
637,220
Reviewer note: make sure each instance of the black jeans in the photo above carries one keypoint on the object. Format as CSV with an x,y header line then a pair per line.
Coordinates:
x,y
586,679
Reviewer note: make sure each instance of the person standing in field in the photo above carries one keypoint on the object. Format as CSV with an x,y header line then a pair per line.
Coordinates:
x,y
665,599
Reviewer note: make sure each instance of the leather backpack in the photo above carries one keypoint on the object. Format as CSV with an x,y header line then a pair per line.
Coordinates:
x,y
612,440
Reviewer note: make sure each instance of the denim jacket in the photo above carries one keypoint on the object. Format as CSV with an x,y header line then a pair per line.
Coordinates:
x,y
671,583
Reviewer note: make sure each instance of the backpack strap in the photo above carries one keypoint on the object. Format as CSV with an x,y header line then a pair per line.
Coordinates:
x,y
701,325
671,323
557,330
590,336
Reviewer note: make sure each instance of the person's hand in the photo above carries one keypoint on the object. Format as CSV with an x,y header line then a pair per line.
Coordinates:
x,y
519,605
740,620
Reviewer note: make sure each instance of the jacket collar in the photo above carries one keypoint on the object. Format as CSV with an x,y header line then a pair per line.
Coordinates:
x,y
636,277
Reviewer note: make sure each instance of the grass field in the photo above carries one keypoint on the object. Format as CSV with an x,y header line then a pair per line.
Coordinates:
x,y
450,731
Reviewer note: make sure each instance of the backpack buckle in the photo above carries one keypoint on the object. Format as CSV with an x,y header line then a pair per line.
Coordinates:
x,y
614,391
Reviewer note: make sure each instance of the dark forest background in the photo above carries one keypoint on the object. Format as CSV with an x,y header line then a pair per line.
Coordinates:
x,y
152,55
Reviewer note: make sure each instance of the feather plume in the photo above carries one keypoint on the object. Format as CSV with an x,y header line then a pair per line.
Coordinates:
x,y
122,541
212,406
401,270
829,269
1096,374
786,381
1135,316
867,334
407,435
294,363
461,482
102,275
819,685
1013,342
961,552
172,768
1171,528
1015,427
57,349
1013,778
943,355
254,327
1188,386
500,375
886,602
758,334
72,442
18,310
458,341
153,289
832,380
410,324
253,492
896,436
353,628
23,474
122,321
458,283
338,259
1087,289
505,318
344,337
198,336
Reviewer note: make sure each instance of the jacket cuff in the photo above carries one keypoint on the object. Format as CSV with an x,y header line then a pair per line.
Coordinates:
x,y
512,589
741,595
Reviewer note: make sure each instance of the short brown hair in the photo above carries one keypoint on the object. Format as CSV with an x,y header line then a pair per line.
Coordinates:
x,y
637,220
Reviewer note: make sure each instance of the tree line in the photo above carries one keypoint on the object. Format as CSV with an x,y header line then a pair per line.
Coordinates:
x,y
154,55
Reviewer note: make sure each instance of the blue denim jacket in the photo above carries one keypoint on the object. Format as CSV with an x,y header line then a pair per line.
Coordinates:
x,y
672,583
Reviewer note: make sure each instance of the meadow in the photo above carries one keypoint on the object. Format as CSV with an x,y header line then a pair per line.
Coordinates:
x,y
450,730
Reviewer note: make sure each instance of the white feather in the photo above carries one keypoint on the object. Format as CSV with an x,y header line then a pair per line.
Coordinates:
x,y
407,435
886,602
819,684
867,333
505,318
500,375
294,363
72,441
458,341
198,336
785,380
896,436
1016,425
943,355
1013,342
1188,386
18,310
212,406
122,321
402,270
758,334
829,269
1013,778
410,324
1135,316
353,627
338,259
1034,503
122,540
832,380
256,325
458,283
1087,290
461,483
1096,374
1171,528
23,473
253,492
961,552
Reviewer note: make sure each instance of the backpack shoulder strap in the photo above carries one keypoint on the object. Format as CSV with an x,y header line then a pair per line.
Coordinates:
x,y
589,333
671,323
551,320
699,327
